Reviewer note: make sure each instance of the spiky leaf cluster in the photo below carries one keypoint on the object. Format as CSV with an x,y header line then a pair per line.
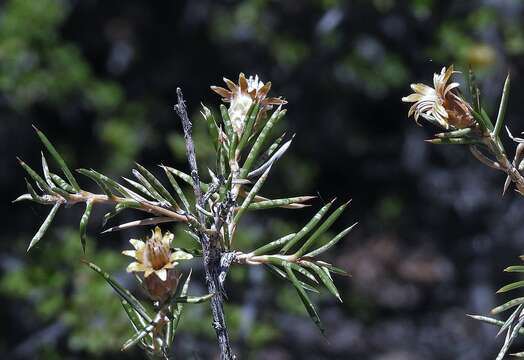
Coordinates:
x,y
213,212
484,140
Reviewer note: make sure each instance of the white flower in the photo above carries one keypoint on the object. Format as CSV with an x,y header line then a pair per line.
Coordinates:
x,y
241,97
238,110
440,104
154,256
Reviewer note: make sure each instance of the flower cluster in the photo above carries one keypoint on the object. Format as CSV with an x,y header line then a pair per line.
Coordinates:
x,y
441,103
242,95
155,257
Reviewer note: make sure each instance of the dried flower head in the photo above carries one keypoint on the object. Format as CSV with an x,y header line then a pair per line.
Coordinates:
x,y
242,95
440,104
155,256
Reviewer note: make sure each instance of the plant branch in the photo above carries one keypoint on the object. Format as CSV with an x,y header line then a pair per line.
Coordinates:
x,y
211,254
506,165
86,196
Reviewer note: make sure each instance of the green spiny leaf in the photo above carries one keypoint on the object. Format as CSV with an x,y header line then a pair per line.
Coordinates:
x,y
139,187
454,141
502,108
508,305
333,269
192,299
331,243
134,317
45,225
177,313
492,321
273,245
157,185
83,224
103,183
37,178
248,128
515,268
307,228
34,196
62,183
512,286
149,187
305,298
254,190
45,169
227,121
325,278
454,134
270,204
60,161
484,122
321,229
121,291
24,197
272,148
300,270
211,125
177,188
274,269
49,180
138,336
259,142
137,322
187,178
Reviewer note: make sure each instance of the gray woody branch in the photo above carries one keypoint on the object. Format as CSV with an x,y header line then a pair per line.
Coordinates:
x,y
211,253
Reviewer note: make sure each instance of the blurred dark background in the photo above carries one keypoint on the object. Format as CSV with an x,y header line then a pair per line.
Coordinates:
x,y
99,78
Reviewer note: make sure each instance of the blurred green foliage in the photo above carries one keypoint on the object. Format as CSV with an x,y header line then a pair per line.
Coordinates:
x,y
56,288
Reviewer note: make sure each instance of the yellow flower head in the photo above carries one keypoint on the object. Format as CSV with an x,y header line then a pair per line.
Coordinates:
x,y
155,255
242,95
440,103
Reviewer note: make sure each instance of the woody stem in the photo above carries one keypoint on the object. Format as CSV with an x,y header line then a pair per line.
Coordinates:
x,y
211,252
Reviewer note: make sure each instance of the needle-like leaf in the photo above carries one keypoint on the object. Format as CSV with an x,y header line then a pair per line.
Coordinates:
x,y
254,190
192,299
261,139
512,286
277,155
187,178
143,222
305,298
157,185
227,121
502,108
177,188
506,306
37,178
275,270
325,278
45,225
273,245
54,153
121,291
83,224
276,203
331,243
307,228
321,229
248,127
